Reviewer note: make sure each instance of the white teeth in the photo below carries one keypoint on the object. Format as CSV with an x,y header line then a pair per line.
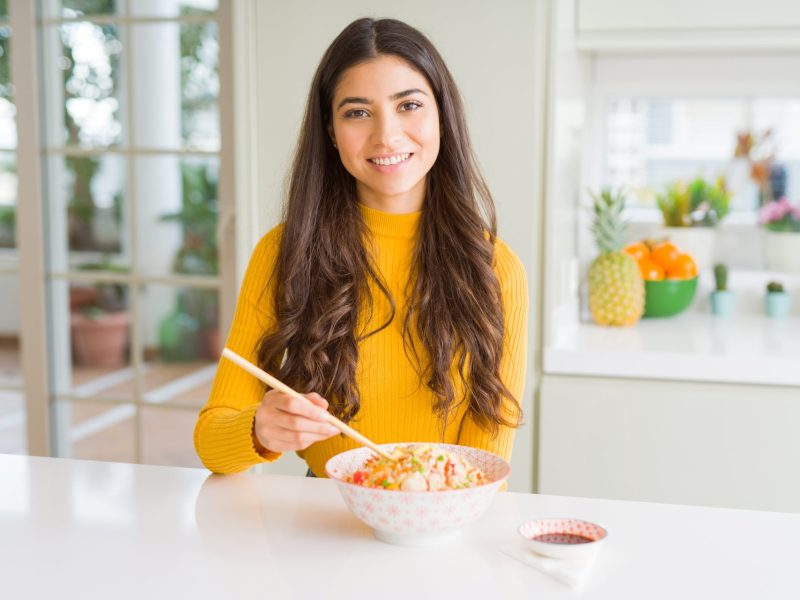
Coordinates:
x,y
393,160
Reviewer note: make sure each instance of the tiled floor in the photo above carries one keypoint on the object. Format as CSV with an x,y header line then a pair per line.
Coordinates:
x,y
106,430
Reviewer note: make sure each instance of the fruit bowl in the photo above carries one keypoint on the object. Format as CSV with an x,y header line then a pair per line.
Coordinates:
x,y
417,518
668,297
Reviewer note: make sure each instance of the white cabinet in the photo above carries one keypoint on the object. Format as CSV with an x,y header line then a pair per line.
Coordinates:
x,y
686,443
687,24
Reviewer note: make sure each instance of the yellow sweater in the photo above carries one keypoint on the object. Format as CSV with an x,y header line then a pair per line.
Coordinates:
x,y
395,406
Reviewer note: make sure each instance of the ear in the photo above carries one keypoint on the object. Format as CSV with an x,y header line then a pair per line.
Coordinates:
x,y
331,134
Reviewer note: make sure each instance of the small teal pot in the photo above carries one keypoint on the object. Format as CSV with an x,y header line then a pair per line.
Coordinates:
x,y
723,303
777,304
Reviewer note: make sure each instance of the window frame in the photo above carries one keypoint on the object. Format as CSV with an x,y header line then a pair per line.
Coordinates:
x,y
36,321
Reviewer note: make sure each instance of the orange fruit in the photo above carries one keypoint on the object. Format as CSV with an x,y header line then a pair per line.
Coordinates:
x,y
651,270
638,250
683,267
665,254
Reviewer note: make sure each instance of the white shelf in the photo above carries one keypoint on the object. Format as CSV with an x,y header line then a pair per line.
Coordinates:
x,y
693,346
633,25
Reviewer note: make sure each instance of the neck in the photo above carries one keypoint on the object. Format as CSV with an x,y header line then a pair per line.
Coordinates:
x,y
397,204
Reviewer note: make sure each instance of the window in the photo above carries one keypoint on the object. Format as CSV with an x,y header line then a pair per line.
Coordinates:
x,y
130,101
654,141
133,164
658,119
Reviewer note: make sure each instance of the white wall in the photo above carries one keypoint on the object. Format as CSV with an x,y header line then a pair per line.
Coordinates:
x,y
570,75
495,51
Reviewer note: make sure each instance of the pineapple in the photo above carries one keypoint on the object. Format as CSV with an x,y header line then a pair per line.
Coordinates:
x,y
616,287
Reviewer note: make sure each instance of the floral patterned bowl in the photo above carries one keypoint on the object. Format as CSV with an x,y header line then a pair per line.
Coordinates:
x,y
563,538
417,518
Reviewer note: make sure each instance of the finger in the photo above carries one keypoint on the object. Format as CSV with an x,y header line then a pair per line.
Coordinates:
x,y
293,440
302,407
290,422
317,399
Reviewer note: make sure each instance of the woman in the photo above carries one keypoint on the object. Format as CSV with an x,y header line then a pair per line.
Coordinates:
x,y
384,294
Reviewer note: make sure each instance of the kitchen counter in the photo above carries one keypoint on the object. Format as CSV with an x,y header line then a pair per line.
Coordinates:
x,y
692,346
747,347
81,529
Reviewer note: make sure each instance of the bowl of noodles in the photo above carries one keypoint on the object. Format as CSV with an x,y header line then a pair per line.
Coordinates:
x,y
422,498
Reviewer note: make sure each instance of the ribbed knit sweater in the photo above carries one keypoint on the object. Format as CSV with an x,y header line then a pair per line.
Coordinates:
x,y
395,405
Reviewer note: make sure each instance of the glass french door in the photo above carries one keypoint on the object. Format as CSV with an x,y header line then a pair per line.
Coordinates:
x,y
13,413
133,219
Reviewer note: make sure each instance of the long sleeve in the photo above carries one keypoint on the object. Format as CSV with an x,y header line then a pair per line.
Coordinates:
x,y
223,433
514,292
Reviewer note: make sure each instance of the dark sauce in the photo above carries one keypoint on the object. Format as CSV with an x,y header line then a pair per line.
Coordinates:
x,y
562,538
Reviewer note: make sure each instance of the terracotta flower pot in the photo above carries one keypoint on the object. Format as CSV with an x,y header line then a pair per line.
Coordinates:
x,y
101,341
80,296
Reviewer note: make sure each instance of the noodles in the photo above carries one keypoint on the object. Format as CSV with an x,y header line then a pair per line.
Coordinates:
x,y
418,468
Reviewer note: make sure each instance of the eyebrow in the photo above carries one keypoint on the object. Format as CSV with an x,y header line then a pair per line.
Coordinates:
x,y
397,96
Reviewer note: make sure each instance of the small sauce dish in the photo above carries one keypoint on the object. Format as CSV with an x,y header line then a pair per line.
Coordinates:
x,y
563,538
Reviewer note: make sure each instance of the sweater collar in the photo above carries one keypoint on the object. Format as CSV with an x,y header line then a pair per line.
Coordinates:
x,y
385,224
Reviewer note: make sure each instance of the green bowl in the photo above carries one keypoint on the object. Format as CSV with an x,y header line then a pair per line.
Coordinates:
x,y
668,297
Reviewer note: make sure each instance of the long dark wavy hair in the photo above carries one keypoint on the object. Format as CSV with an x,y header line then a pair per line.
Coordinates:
x,y
320,280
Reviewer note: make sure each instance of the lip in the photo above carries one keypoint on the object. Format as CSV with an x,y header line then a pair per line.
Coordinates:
x,y
390,168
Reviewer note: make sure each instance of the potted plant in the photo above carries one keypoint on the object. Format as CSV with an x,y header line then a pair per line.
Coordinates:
x,y
196,314
8,217
781,220
777,301
756,153
723,300
690,211
100,321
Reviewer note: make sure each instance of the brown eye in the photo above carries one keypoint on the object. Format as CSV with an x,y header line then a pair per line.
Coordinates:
x,y
413,105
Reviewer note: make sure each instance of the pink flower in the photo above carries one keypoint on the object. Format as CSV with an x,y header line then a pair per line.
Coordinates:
x,y
775,211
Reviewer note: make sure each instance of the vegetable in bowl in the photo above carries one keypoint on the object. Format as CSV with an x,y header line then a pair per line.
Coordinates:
x,y
418,468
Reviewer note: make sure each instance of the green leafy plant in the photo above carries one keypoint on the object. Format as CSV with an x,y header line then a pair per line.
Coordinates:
x,y
774,287
107,297
8,220
198,215
696,204
721,277
197,255
5,64
91,83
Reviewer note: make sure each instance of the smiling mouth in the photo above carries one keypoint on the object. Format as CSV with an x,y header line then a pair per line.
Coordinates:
x,y
391,160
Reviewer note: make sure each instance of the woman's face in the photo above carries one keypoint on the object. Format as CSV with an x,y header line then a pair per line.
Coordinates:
x,y
386,126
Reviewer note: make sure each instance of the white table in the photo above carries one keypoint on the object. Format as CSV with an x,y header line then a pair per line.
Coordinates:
x,y
80,529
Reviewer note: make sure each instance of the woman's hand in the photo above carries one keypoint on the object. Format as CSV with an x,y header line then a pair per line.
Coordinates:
x,y
285,424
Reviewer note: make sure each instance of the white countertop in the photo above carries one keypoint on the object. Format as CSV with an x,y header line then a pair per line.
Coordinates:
x,y
80,529
747,347
692,346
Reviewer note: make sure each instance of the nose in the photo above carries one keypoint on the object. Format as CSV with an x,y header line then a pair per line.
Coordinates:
x,y
387,130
